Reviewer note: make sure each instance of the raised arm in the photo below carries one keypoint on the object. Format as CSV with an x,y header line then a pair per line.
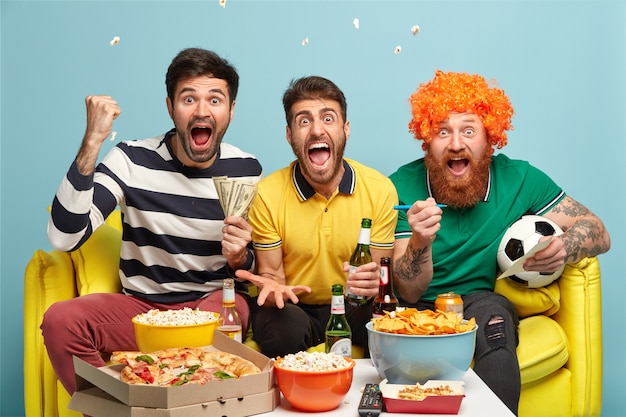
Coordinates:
x,y
412,257
101,112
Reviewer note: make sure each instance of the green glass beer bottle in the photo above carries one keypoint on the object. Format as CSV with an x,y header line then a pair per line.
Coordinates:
x,y
338,332
360,256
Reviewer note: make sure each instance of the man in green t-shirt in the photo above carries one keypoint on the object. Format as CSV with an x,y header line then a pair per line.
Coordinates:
x,y
460,119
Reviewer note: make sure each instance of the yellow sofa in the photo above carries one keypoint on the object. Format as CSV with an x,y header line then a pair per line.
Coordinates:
x,y
560,350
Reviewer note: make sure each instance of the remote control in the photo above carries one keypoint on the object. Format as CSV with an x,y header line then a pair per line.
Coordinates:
x,y
371,403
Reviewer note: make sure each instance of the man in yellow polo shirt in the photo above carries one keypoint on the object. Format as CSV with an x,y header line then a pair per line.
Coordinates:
x,y
306,219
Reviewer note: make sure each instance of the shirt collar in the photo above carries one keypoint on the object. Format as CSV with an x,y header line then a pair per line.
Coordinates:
x,y
487,193
306,191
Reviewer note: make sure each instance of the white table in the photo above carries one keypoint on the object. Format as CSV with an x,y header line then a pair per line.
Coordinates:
x,y
479,399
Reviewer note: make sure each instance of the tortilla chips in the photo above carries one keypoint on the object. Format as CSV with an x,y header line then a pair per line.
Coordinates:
x,y
418,392
411,321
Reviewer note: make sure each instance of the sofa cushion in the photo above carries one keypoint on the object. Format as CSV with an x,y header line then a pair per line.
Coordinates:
x,y
530,301
543,347
97,262
548,397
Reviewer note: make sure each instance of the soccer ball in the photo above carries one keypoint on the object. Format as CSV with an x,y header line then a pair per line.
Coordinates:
x,y
519,239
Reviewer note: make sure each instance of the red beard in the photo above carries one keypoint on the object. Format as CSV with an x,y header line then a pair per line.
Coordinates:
x,y
459,192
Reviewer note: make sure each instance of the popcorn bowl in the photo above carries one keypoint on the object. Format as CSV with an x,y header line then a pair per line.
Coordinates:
x,y
314,391
407,359
151,337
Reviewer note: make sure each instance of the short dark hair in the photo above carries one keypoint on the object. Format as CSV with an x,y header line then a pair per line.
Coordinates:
x,y
194,62
311,88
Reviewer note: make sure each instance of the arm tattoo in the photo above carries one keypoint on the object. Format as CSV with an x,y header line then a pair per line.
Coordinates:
x,y
571,208
410,266
584,238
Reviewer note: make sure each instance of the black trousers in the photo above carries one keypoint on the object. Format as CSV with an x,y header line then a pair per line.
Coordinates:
x,y
297,327
495,357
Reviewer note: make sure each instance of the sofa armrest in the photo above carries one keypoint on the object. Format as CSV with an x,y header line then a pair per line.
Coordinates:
x,y
48,278
580,316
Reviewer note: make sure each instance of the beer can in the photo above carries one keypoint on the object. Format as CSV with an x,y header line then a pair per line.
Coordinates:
x,y
450,302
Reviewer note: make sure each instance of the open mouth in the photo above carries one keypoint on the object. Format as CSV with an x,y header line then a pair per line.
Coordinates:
x,y
458,166
319,154
201,136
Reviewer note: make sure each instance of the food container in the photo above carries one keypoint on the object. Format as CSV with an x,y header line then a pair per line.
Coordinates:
x,y
151,337
314,391
407,359
432,404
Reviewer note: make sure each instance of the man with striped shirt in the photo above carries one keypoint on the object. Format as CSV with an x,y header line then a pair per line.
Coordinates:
x,y
177,244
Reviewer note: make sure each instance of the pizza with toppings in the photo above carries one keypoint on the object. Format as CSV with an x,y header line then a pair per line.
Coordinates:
x,y
178,366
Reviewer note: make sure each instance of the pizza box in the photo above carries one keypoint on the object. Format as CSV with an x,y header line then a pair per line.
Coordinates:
x,y
432,404
97,403
107,378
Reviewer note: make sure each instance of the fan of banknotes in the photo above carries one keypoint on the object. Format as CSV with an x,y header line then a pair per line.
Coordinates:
x,y
235,195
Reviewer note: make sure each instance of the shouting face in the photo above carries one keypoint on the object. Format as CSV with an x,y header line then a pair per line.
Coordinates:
x,y
317,134
201,113
458,159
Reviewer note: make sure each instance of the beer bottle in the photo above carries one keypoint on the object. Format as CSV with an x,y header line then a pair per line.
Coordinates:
x,y
360,256
338,332
229,322
386,300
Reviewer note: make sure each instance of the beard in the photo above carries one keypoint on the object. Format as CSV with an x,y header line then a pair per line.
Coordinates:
x,y
459,192
204,155
327,175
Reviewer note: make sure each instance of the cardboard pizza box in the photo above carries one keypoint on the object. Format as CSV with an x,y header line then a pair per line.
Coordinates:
x,y
107,378
97,403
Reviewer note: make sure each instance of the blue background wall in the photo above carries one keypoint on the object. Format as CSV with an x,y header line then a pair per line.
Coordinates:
x,y
562,64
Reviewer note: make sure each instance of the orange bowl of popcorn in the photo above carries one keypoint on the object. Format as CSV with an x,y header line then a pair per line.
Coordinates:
x,y
315,381
156,330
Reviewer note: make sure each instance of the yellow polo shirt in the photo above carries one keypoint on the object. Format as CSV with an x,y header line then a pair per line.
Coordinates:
x,y
317,235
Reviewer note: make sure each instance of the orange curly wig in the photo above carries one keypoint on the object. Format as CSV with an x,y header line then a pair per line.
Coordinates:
x,y
460,92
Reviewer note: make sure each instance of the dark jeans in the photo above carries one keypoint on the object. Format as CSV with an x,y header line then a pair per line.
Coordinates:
x,y
297,327
495,358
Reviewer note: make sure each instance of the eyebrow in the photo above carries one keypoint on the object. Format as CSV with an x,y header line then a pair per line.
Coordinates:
x,y
310,113
193,90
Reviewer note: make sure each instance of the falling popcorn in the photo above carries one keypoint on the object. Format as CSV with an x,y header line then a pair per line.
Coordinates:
x,y
415,29
113,135
223,3
305,42
355,22
397,50
115,41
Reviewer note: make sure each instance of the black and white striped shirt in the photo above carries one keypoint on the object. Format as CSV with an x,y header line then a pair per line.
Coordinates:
x,y
171,215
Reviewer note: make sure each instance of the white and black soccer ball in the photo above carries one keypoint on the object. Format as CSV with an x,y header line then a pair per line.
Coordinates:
x,y
519,239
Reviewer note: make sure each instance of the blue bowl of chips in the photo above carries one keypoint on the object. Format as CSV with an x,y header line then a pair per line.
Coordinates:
x,y
409,359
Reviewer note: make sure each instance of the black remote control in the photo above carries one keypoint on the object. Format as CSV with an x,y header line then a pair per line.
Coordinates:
x,y
371,403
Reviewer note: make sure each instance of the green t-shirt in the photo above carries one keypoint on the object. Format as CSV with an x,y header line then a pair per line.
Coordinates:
x,y
464,251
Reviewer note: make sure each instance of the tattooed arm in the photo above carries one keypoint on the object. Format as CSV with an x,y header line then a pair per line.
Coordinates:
x,y
412,258
584,235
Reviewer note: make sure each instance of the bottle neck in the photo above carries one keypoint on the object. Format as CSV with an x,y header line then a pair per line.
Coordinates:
x,y
385,284
228,297
337,305
364,236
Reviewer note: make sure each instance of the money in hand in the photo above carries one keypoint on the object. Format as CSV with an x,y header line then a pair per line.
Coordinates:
x,y
235,195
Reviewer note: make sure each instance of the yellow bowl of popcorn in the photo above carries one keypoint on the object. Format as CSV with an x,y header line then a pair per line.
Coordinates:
x,y
314,381
162,329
